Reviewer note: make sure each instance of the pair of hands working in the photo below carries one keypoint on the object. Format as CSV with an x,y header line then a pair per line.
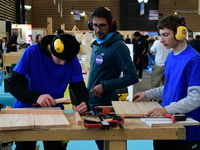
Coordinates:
x,y
98,90
46,100
152,113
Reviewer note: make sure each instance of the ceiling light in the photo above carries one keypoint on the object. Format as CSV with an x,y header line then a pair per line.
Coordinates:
x,y
145,1
82,14
27,7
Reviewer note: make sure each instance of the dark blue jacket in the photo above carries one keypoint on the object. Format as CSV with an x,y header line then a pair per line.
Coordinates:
x,y
116,59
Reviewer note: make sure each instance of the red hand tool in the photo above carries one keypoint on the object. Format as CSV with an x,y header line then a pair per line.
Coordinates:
x,y
176,117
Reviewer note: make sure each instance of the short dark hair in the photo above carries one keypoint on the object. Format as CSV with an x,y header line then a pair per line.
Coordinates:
x,y
171,22
103,12
137,34
197,37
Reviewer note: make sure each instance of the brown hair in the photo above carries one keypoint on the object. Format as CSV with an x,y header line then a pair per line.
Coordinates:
x,y
171,22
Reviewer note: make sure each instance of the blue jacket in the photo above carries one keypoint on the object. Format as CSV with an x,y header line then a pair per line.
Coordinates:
x,y
114,58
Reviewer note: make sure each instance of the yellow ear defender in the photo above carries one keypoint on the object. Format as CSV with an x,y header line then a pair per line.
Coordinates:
x,y
181,30
58,46
181,33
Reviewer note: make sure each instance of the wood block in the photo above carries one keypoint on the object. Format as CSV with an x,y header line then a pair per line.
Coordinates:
x,y
77,116
133,109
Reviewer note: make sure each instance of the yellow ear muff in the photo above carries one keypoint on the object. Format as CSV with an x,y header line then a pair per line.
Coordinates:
x,y
181,33
58,46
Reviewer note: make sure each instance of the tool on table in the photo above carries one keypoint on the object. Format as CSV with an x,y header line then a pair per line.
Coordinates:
x,y
65,100
104,113
74,103
104,125
72,97
176,117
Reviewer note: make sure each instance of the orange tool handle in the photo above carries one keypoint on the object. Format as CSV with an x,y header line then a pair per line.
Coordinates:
x,y
89,126
173,118
64,100
105,111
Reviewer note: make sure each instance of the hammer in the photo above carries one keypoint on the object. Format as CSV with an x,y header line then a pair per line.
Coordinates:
x,y
59,100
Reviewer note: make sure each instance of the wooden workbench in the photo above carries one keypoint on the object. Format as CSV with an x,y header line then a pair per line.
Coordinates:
x,y
115,138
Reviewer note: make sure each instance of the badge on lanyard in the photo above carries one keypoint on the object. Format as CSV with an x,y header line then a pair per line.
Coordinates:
x,y
99,60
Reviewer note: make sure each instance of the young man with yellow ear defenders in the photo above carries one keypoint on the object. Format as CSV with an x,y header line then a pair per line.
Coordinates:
x,y
181,91
42,75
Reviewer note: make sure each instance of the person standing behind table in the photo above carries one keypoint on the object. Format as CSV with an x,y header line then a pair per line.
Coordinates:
x,y
13,39
151,58
12,48
3,44
195,43
161,53
181,91
140,49
45,79
127,40
38,38
109,57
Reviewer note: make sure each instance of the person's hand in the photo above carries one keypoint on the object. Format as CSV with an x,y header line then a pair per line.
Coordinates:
x,y
97,90
157,112
46,100
138,96
82,108
138,61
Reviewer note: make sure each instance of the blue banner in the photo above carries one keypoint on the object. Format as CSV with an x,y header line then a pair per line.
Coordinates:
x,y
142,8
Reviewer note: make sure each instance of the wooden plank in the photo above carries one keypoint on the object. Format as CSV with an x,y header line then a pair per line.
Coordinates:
x,y
30,111
157,122
16,121
133,109
77,116
51,121
24,118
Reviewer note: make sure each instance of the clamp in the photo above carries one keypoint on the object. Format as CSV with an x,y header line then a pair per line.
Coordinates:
x,y
176,117
104,113
104,125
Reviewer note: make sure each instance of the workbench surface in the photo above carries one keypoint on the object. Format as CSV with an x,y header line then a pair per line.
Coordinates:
x,y
134,129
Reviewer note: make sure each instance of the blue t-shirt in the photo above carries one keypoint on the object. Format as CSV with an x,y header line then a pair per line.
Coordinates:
x,y
44,75
183,71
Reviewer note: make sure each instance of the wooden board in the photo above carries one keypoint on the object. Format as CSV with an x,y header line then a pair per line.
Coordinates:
x,y
133,109
157,122
50,121
14,121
